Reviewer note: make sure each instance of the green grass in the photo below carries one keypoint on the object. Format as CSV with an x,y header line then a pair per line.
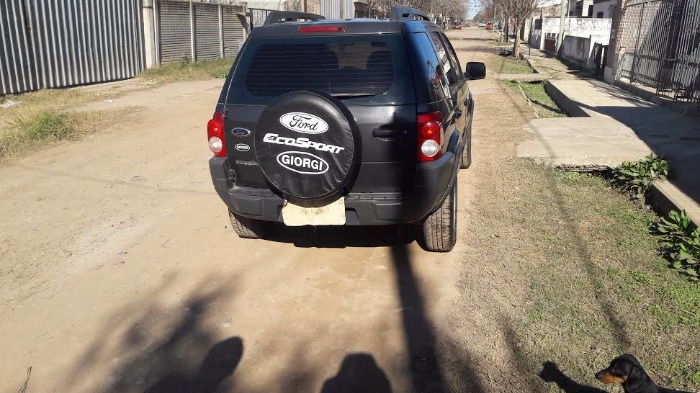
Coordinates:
x,y
507,65
543,103
603,288
187,70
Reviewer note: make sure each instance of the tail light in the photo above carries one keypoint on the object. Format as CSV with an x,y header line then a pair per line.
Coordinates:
x,y
429,136
215,133
322,29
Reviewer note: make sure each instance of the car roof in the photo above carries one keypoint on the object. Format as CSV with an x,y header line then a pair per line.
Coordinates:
x,y
402,19
352,26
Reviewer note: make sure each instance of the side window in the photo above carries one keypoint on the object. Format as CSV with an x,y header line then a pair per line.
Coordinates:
x,y
453,57
438,83
446,63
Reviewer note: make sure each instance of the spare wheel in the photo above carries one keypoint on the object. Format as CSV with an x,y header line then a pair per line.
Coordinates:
x,y
308,147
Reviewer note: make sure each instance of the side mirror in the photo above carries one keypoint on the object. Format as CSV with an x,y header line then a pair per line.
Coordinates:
x,y
476,70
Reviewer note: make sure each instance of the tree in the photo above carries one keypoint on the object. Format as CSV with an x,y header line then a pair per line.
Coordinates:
x,y
518,11
442,9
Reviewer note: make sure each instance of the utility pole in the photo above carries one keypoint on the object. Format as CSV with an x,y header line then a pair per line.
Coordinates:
x,y
562,19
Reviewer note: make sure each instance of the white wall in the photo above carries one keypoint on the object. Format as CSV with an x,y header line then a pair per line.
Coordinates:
x,y
577,27
605,7
579,50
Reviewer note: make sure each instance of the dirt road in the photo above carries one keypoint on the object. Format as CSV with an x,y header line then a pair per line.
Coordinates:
x,y
119,273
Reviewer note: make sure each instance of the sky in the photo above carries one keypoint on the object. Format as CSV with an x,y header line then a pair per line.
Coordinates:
x,y
473,7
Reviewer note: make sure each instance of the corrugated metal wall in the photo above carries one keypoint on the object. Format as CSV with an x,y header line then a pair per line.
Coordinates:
x,y
174,29
47,44
211,23
338,9
206,27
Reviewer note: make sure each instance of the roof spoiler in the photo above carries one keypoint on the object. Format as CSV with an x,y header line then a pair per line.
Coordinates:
x,y
407,13
276,17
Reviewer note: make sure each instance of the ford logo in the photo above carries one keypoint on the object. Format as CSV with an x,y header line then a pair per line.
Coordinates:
x,y
304,123
240,132
242,147
302,162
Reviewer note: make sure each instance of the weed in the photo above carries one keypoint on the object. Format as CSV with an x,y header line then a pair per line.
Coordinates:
x,y
636,177
641,277
680,243
49,126
695,376
30,130
188,70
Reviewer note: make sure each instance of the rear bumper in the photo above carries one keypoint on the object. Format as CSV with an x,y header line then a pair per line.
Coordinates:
x,y
433,180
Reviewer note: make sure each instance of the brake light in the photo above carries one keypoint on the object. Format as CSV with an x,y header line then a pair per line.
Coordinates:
x,y
215,134
322,29
429,136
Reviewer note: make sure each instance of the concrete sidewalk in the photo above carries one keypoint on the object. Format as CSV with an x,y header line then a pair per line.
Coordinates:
x,y
609,126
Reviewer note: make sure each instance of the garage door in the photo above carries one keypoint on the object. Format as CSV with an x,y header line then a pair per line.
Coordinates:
x,y
174,28
206,27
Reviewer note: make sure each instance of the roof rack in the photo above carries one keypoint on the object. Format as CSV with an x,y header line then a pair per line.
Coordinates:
x,y
407,13
276,17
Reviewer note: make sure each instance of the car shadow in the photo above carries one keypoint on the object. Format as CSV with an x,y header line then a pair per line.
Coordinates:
x,y
341,237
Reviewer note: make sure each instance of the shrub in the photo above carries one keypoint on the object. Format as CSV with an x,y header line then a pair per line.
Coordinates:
x,y
636,177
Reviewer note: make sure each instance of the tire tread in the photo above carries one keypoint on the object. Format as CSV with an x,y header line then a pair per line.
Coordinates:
x,y
439,231
245,227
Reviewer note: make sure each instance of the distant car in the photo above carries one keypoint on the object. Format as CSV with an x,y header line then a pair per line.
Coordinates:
x,y
482,24
457,25
489,26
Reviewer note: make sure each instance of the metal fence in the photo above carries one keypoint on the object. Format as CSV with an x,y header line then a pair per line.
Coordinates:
x,y
659,46
48,44
257,16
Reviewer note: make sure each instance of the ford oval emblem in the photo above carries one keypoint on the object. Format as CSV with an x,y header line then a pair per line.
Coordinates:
x,y
302,162
240,132
304,123
242,147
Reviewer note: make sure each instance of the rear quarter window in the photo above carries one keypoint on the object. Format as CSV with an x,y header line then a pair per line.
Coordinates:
x,y
365,68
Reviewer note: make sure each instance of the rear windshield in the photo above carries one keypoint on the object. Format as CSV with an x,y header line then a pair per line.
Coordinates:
x,y
370,67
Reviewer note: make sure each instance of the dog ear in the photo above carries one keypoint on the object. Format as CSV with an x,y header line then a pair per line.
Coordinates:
x,y
630,358
623,367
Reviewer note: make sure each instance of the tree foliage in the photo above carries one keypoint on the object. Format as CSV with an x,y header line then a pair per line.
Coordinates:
x,y
442,9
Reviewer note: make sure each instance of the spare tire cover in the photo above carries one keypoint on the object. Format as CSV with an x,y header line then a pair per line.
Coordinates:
x,y
307,145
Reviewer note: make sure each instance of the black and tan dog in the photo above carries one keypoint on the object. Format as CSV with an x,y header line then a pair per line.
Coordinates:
x,y
627,371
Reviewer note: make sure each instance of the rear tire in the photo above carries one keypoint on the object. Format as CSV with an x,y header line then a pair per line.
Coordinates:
x,y
440,228
247,228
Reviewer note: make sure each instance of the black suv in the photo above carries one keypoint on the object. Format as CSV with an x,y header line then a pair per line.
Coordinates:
x,y
344,122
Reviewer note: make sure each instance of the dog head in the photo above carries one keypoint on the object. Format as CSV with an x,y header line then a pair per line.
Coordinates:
x,y
621,369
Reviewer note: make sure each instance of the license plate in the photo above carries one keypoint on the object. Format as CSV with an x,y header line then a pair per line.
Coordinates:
x,y
331,214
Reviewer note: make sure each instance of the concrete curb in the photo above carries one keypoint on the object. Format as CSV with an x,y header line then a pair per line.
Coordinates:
x,y
569,106
663,196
